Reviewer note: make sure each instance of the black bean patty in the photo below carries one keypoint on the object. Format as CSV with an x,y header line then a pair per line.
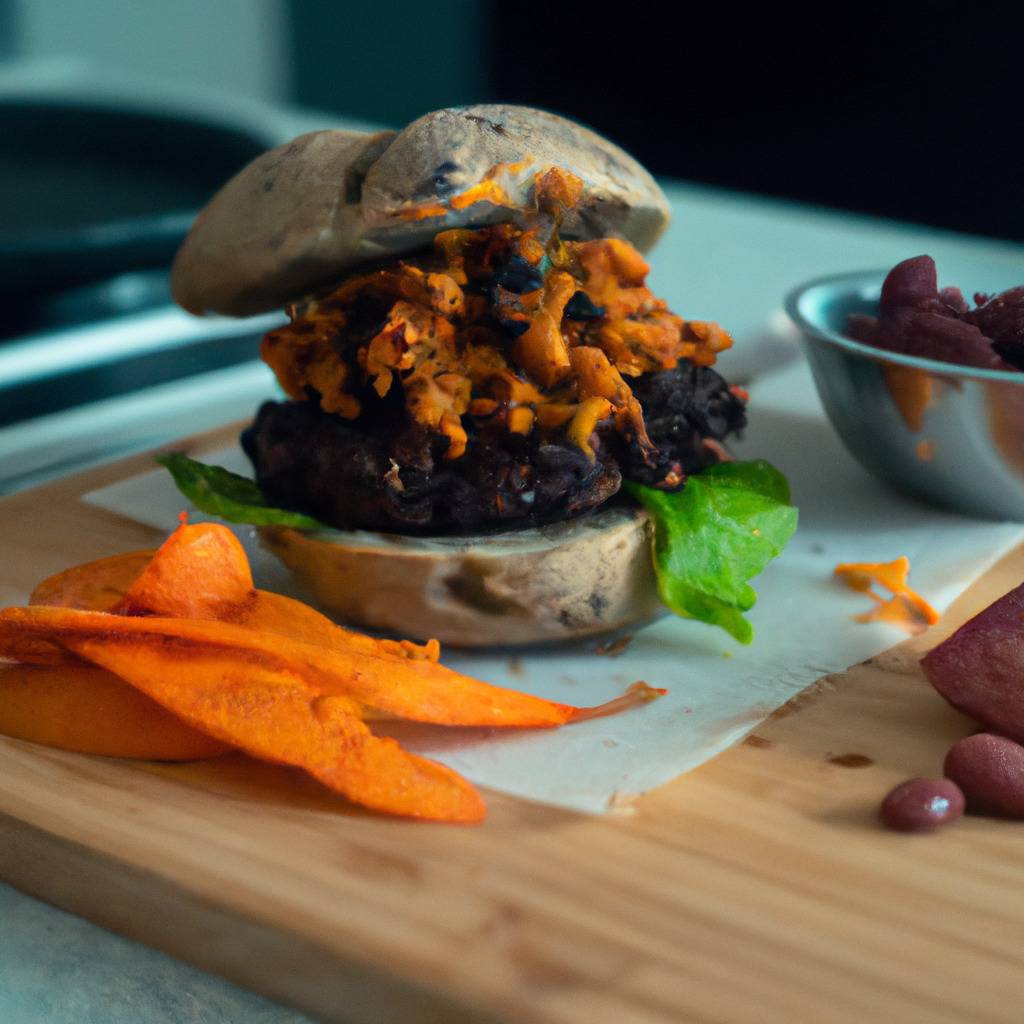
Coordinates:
x,y
386,474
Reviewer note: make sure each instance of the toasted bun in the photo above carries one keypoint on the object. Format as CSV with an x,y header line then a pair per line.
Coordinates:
x,y
303,214
572,579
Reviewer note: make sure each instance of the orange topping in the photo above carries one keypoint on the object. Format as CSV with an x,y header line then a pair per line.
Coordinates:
x,y
905,608
556,188
596,376
542,351
555,414
485,191
461,334
589,413
423,212
520,420
703,341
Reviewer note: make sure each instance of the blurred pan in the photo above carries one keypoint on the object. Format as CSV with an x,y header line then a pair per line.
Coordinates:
x,y
90,191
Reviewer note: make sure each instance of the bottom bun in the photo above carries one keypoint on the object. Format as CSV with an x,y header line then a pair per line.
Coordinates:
x,y
559,582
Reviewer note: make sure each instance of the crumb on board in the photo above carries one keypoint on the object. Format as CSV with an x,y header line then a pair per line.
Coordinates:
x,y
614,648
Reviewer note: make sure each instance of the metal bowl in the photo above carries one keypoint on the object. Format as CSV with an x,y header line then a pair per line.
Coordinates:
x,y
952,436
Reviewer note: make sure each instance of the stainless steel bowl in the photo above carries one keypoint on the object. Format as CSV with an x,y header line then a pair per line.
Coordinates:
x,y
953,436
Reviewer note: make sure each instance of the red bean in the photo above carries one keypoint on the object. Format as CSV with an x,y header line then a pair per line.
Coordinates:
x,y
920,804
918,319
990,771
1001,318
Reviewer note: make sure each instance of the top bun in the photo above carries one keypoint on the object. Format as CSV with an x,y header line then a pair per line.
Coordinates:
x,y
303,214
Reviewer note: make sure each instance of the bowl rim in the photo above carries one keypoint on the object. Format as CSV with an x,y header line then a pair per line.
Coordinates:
x,y
863,281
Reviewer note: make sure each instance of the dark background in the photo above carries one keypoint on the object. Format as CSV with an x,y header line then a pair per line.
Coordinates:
x,y
912,110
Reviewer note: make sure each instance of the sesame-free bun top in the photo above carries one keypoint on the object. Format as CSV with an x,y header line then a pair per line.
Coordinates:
x,y
302,215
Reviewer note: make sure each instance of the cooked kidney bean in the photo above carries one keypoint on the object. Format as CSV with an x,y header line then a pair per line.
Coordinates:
x,y
990,771
916,318
920,804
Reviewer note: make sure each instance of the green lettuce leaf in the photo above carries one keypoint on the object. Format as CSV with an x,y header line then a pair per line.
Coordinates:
x,y
714,535
229,496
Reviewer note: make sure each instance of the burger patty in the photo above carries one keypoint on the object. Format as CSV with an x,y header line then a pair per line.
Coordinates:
x,y
388,474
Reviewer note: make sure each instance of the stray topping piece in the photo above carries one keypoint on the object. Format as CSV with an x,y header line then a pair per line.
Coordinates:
x,y
905,608
614,648
637,694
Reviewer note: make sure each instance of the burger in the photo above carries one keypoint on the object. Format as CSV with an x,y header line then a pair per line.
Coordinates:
x,y
493,432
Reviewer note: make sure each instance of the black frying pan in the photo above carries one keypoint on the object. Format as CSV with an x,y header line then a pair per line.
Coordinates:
x,y
87,192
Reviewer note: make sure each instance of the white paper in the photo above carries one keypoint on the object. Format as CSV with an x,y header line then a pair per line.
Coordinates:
x,y
718,690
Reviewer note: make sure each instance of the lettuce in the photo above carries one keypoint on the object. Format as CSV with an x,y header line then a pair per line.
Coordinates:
x,y
714,535
231,497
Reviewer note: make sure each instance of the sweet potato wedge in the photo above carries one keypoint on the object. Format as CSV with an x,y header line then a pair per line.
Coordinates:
x,y
91,711
419,690
201,572
94,586
271,711
198,570
275,613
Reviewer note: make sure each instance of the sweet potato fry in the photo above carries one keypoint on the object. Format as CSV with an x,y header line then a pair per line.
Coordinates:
x,y
95,586
422,691
201,572
198,570
91,711
275,613
273,712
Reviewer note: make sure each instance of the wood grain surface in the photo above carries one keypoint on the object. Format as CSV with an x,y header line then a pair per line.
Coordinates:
x,y
758,888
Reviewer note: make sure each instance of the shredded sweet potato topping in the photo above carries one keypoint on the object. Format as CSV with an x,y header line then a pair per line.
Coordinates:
x,y
501,328
905,608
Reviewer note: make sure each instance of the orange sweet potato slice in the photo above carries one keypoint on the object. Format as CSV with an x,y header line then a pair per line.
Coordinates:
x,y
198,570
275,613
94,586
274,713
91,711
419,690
201,572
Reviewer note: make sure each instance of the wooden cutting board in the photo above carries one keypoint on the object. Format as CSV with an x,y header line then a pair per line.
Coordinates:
x,y
758,888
